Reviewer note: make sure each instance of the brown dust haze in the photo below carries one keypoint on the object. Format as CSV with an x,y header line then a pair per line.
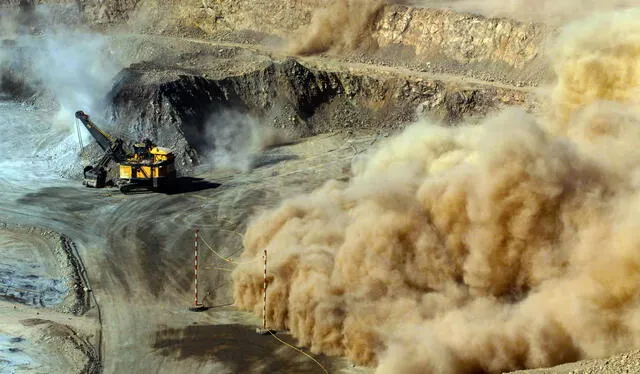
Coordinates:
x,y
512,244
342,25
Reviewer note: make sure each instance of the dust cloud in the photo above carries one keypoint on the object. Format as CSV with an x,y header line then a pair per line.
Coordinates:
x,y
235,140
511,244
72,66
341,25
63,67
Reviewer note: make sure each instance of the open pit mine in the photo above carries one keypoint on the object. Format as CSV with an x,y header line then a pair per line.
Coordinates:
x,y
306,186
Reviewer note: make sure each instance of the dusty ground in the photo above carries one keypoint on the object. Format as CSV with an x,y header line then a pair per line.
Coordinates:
x,y
622,363
48,341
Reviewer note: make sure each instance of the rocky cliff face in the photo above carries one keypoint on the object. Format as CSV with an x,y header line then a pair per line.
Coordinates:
x,y
496,48
177,108
112,11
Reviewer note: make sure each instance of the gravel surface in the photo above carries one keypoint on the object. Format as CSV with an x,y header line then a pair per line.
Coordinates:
x,y
626,363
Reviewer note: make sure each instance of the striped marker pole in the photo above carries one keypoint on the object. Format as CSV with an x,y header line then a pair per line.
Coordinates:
x,y
196,305
264,293
195,268
264,330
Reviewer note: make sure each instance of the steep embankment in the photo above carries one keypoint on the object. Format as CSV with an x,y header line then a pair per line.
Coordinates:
x,y
175,102
422,38
486,48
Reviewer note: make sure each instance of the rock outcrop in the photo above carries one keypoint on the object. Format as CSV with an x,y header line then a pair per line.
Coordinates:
x,y
492,48
176,108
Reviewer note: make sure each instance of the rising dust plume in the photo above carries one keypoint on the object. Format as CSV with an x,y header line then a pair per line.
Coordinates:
x,y
342,25
235,140
513,244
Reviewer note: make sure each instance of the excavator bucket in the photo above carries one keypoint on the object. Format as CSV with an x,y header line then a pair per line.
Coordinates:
x,y
94,177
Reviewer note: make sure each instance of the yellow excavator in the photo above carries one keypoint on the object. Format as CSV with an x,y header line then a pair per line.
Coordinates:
x,y
147,168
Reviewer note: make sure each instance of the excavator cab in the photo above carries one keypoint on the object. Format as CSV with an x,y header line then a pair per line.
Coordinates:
x,y
142,149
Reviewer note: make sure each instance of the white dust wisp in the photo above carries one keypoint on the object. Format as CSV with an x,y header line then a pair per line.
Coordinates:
x,y
236,140
36,153
72,67
76,68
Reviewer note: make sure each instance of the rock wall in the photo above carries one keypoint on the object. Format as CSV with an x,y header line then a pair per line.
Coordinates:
x,y
439,39
111,11
444,37
176,108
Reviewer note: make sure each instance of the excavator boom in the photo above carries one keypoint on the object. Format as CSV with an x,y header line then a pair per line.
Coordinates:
x,y
104,140
95,176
